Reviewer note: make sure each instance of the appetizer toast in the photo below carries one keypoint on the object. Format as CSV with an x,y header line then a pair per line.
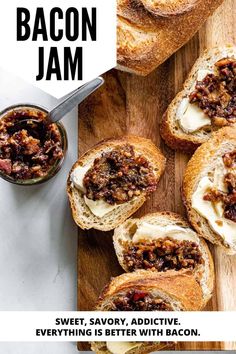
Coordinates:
x,y
147,291
161,242
209,189
206,103
112,180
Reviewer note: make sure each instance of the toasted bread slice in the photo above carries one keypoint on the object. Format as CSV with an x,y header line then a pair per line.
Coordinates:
x,y
178,289
205,163
140,348
172,132
167,8
80,211
123,234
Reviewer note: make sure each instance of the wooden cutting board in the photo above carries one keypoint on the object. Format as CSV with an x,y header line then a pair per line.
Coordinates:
x,y
128,104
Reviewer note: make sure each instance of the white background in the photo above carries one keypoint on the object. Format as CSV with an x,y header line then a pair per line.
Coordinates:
x,y
216,326
38,239
21,58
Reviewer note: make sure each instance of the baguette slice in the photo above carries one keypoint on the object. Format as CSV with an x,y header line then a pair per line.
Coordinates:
x,y
203,164
178,289
204,273
142,347
168,8
171,132
80,211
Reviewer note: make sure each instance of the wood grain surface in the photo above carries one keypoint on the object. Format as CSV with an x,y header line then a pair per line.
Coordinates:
x,y
128,104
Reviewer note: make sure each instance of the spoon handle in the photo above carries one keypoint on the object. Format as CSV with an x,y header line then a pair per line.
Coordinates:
x,y
74,99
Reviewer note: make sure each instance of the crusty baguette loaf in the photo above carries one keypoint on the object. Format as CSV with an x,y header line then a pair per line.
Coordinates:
x,y
204,273
201,164
150,31
179,289
82,214
168,8
171,132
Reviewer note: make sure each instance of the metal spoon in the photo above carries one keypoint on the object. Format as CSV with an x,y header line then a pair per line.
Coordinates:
x,y
68,103
75,98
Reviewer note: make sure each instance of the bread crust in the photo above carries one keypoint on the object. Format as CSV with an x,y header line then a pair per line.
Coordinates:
x,y
140,144
147,37
225,137
180,286
168,8
177,139
175,142
206,279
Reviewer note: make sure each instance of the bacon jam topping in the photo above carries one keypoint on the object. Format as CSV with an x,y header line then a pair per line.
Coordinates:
x,y
216,93
139,300
119,175
227,198
28,150
162,255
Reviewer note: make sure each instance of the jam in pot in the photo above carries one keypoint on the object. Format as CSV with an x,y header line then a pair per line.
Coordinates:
x,y
29,149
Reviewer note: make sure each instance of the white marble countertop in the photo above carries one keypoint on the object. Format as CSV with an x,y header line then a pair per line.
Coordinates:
x,y
38,237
